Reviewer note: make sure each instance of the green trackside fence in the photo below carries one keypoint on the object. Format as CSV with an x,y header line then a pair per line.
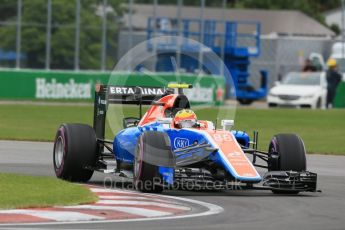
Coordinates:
x,y
69,85
339,100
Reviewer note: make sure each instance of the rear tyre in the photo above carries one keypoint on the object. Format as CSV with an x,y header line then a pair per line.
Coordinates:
x,y
153,149
286,152
272,105
245,101
319,103
74,150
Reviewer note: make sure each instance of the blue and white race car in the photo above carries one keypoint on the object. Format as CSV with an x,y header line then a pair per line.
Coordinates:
x,y
168,147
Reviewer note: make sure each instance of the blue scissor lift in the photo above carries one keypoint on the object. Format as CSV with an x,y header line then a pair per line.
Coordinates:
x,y
241,42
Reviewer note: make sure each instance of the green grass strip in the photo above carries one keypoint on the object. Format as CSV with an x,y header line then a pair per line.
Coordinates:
x,y
322,130
19,191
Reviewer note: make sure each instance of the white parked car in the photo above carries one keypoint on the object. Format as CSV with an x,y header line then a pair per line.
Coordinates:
x,y
300,89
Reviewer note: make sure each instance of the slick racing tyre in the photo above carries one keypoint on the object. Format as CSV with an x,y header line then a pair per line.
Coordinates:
x,y
74,151
153,150
286,152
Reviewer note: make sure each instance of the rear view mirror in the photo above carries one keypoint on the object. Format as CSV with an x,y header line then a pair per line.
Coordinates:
x,y
130,122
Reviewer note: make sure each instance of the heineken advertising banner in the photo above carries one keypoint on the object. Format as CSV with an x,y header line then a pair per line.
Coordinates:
x,y
70,85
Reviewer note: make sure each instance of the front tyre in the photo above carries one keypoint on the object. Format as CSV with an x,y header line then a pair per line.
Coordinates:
x,y
286,152
74,152
153,150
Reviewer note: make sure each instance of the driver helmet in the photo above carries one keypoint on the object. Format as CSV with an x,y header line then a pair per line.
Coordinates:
x,y
185,118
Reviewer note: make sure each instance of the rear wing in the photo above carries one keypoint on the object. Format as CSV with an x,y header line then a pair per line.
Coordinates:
x,y
109,94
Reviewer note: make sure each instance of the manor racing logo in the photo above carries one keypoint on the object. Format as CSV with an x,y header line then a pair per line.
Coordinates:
x,y
57,90
181,142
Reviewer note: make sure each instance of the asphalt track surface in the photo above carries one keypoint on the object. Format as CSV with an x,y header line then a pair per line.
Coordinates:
x,y
242,209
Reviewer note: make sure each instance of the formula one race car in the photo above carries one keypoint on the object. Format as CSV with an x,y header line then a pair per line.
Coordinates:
x,y
168,147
